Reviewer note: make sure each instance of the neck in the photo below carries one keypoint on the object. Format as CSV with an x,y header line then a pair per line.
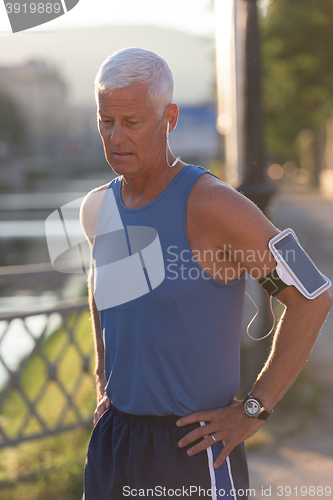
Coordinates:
x,y
138,190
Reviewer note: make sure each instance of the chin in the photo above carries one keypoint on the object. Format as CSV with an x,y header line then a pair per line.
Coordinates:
x,y
123,168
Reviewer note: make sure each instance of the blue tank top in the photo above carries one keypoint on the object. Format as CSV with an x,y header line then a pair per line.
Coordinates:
x,y
171,332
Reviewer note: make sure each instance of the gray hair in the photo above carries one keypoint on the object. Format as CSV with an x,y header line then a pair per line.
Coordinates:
x,y
132,65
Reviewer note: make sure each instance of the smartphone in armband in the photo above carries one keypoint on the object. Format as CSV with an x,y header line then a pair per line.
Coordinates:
x,y
294,266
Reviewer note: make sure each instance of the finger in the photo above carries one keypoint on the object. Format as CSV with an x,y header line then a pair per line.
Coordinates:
x,y
200,416
196,434
99,411
227,449
203,445
104,403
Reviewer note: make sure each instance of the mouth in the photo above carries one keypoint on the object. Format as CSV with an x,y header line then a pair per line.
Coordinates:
x,y
121,154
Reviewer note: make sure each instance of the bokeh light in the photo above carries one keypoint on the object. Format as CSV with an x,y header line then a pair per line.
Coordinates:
x,y
275,171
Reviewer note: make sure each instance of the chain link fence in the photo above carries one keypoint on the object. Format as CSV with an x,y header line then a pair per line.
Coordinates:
x,y
47,384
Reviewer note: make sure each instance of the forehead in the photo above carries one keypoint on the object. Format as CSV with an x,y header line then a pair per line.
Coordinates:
x,y
133,99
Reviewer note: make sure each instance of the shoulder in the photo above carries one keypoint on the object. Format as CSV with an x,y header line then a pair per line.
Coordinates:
x,y
89,210
213,198
213,190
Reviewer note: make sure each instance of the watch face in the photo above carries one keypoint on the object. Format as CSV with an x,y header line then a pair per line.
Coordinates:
x,y
252,408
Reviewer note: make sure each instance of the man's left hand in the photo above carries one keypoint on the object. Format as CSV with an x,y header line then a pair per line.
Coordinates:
x,y
229,425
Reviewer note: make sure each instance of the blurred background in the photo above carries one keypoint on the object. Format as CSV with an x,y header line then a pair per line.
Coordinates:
x,y
254,84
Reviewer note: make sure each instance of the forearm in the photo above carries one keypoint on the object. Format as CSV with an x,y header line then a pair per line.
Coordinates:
x,y
99,347
293,342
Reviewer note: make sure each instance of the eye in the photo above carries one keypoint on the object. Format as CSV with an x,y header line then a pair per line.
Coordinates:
x,y
104,119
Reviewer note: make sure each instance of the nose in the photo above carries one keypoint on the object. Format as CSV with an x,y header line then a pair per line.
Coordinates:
x,y
117,135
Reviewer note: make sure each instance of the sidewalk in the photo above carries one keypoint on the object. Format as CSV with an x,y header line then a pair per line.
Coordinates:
x,y
311,217
298,465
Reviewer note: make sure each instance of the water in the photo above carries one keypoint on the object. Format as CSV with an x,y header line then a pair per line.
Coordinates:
x,y
36,229
37,201
15,342
23,202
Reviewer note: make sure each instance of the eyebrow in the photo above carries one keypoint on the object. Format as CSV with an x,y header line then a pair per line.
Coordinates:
x,y
131,117
127,117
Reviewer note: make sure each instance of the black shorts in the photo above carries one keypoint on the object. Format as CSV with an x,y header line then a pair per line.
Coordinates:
x,y
131,456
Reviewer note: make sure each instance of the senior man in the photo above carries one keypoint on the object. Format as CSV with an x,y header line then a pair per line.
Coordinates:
x,y
170,247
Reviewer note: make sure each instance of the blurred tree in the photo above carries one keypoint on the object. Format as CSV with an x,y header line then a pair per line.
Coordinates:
x,y
298,72
12,129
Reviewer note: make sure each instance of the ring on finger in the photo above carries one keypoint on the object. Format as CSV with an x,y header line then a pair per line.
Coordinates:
x,y
214,439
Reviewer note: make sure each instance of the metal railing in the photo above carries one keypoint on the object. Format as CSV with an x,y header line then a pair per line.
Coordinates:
x,y
46,371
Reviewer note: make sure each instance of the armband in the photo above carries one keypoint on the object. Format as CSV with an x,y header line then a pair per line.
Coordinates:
x,y
272,283
294,267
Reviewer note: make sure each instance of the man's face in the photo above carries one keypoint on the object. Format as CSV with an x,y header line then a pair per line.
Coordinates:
x,y
134,136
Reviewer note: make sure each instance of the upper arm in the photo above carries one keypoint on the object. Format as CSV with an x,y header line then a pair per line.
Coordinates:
x,y
88,217
89,212
239,228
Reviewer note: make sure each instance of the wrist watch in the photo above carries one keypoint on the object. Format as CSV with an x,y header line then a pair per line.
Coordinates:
x,y
253,408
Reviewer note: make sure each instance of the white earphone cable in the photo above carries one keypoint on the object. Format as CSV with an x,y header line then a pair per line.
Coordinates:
x,y
256,314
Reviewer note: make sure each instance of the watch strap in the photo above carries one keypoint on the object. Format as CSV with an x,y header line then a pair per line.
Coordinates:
x,y
264,414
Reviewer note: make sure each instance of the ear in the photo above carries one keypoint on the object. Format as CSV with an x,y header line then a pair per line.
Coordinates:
x,y
170,115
